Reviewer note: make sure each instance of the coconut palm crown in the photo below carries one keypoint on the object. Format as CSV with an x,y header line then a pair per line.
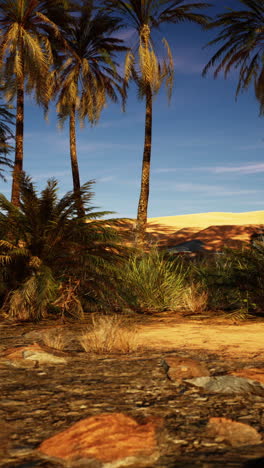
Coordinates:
x,y
241,39
144,65
88,76
26,31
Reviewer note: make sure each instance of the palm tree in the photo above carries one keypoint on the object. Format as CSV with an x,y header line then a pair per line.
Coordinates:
x,y
26,55
47,253
241,39
148,70
88,76
6,134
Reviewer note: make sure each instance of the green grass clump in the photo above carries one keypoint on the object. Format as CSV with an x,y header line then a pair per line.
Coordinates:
x,y
152,283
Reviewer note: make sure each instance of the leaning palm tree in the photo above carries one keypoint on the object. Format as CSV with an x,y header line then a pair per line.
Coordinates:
x,y
26,55
144,65
241,39
88,74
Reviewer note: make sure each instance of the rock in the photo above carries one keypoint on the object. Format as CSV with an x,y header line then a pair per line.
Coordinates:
x,y
17,353
18,363
179,368
232,432
114,439
250,373
17,357
228,384
43,358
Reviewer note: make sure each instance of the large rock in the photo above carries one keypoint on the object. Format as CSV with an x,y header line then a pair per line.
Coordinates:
x,y
115,440
228,384
179,368
232,432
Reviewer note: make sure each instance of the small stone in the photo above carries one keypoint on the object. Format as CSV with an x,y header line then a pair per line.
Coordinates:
x,y
179,368
234,433
180,441
43,358
227,384
109,438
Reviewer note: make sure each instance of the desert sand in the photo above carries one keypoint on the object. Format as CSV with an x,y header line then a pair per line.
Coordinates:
x,y
221,337
215,230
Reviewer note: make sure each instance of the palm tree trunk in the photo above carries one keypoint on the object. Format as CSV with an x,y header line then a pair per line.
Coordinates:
x,y
18,165
142,213
74,163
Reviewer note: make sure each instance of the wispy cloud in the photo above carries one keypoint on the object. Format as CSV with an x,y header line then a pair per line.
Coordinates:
x,y
207,189
105,179
49,175
244,169
98,146
213,189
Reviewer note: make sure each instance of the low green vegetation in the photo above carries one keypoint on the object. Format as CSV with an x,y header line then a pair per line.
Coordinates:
x,y
52,261
56,264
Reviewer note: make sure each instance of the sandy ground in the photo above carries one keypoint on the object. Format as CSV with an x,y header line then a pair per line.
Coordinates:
x,y
233,341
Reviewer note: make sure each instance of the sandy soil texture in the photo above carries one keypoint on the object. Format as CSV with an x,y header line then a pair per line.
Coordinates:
x,y
225,339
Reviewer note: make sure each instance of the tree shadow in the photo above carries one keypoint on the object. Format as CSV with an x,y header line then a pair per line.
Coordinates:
x,y
213,238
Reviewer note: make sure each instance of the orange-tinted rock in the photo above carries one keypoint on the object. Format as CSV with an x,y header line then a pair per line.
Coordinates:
x,y
252,373
185,368
106,438
17,353
232,432
32,353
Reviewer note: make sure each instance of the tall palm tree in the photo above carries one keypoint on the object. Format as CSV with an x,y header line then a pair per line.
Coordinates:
x,y
88,76
26,55
149,71
6,134
241,39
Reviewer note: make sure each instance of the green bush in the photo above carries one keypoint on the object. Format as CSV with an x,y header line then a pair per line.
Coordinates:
x,y
51,259
151,283
233,280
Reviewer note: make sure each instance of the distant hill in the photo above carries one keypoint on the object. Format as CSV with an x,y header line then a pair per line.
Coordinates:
x,y
204,220
215,230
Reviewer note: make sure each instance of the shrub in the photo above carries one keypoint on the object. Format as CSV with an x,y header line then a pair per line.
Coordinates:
x,y
109,334
54,339
51,257
195,298
234,280
152,283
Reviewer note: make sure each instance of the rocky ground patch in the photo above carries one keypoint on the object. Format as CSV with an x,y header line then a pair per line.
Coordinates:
x,y
151,395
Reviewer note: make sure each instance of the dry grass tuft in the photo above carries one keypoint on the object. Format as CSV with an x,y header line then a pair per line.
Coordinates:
x,y
195,299
54,339
110,335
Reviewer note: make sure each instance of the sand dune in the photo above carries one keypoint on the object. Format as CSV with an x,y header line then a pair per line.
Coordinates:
x,y
215,230
204,220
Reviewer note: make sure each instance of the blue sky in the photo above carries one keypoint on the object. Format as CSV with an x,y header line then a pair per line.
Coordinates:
x,y
207,148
